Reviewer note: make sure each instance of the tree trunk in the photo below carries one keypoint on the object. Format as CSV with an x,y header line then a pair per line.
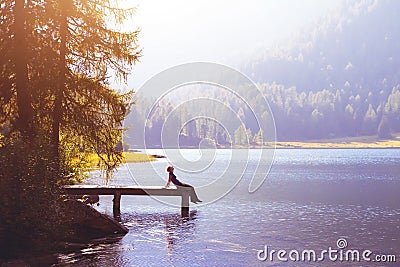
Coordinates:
x,y
57,116
24,99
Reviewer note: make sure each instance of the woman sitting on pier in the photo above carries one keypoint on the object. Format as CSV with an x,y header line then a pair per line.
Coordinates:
x,y
172,178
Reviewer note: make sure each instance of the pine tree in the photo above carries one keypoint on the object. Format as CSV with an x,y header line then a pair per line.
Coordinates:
x,y
58,83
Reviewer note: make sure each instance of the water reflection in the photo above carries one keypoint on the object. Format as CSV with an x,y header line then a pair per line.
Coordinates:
x,y
176,230
310,199
158,237
89,254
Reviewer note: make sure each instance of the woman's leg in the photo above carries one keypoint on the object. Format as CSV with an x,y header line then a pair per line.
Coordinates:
x,y
193,196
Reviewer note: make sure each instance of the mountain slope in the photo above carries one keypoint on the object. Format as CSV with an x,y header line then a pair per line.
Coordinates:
x,y
356,48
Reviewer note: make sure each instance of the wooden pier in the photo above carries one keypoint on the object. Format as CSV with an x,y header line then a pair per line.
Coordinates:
x,y
118,191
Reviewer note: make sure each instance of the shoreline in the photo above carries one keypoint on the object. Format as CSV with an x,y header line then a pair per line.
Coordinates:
x,y
362,142
287,145
393,144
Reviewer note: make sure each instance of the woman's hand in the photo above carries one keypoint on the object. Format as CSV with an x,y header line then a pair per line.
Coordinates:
x,y
168,183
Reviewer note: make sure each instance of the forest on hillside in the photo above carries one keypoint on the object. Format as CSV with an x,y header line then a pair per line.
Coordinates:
x,y
338,78
297,115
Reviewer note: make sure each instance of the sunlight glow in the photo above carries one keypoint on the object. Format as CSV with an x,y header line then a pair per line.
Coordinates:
x,y
174,32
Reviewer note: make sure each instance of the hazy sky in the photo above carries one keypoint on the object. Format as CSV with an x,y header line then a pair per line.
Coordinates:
x,y
175,32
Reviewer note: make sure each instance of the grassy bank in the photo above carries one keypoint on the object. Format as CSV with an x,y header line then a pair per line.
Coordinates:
x,y
92,161
132,157
129,157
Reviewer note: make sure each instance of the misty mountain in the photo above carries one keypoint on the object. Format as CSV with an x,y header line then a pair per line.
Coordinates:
x,y
339,78
356,48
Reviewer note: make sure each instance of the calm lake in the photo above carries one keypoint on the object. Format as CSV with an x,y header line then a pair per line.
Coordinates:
x,y
309,200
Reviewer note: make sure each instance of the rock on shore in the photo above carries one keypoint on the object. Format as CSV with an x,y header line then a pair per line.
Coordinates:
x,y
88,222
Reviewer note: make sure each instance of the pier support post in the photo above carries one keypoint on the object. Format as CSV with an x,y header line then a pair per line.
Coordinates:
x,y
185,204
117,205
